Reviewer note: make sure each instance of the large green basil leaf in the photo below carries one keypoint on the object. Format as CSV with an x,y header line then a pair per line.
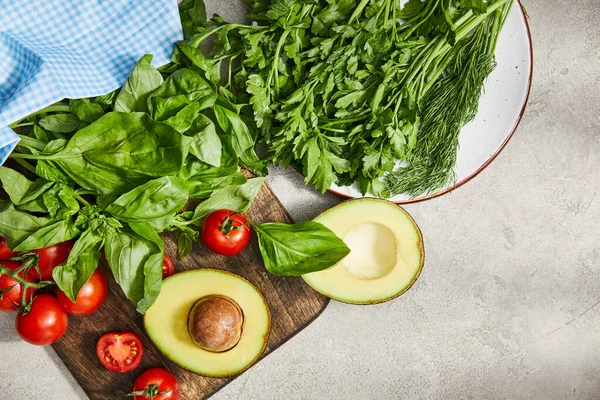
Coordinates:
x,y
60,201
135,257
62,123
25,194
50,235
16,226
120,151
181,88
206,144
143,80
239,136
234,197
182,121
203,179
155,202
80,265
297,249
85,110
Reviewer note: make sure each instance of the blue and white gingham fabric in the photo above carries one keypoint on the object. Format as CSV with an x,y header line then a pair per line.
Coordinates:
x,y
55,49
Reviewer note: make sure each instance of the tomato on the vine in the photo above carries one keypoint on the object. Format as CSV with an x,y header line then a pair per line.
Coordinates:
x,y
11,291
90,297
156,384
51,257
120,351
44,323
5,251
226,232
168,268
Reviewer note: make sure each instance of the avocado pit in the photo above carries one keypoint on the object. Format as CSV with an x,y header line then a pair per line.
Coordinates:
x,y
215,323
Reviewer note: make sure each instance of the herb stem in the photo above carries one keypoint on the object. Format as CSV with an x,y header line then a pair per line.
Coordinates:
x,y
81,199
26,165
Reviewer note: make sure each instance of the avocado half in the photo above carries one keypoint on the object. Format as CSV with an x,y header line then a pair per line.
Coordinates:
x,y
166,322
386,256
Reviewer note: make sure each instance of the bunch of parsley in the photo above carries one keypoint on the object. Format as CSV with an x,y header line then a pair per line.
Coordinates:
x,y
365,91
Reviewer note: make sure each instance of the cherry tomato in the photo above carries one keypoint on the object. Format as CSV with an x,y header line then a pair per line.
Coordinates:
x,y
45,322
90,297
226,232
50,257
168,268
11,290
156,384
120,351
5,252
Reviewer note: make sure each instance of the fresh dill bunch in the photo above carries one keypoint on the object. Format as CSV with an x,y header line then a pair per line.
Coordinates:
x,y
449,104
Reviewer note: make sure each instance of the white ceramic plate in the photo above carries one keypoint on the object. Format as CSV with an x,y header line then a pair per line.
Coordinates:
x,y
500,109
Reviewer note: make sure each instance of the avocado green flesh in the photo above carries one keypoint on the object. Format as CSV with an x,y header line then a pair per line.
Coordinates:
x,y
166,322
366,276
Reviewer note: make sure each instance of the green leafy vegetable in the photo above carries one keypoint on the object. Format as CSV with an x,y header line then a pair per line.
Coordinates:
x,y
144,79
154,203
299,248
80,265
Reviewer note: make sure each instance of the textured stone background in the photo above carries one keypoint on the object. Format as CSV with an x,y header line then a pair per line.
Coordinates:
x,y
508,305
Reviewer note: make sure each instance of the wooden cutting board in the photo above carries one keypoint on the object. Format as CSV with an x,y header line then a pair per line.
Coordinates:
x,y
294,305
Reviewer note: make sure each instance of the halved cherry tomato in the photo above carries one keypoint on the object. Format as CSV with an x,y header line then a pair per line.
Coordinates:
x,y
168,268
45,322
5,252
120,351
90,297
156,384
11,290
226,232
51,257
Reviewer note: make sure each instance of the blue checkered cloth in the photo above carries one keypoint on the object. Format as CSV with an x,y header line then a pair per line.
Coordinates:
x,y
55,49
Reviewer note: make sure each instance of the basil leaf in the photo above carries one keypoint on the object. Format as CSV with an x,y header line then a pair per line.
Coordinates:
x,y
16,226
155,202
119,152
40,134
193,16
181,88
210,68
239,136
182,121
60,201
185,240
81,264
107,99
50,235
297,249
202,179
143,80
206,144
135,258
22,192
85,110
235,197
62,123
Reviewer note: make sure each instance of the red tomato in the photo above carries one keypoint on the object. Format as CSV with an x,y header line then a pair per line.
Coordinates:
x,y
45,322
90,297
50,257
168,268
226,232
120,351
5,252
11,299
156,384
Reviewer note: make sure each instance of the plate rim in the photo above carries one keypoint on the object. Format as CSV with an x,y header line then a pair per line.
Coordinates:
x,y
496,154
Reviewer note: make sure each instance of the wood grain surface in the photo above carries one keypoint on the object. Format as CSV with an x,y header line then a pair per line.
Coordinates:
x,y
293,306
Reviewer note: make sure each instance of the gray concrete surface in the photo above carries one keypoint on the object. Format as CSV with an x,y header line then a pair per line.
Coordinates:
x,y
508,305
